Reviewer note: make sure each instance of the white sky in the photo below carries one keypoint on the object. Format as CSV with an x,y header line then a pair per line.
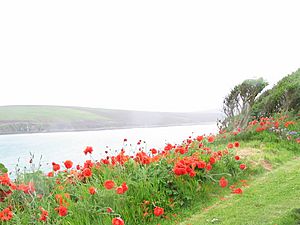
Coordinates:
x,y
145,55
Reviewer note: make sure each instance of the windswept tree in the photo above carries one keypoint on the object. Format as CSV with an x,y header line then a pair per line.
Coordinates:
x,y
238,103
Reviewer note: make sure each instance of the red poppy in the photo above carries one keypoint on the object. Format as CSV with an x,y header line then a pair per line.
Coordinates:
x,y
88,149
168,147
68,164
192,173
212,160
181,149
288,123
158,211
50,174
236,144
211,139
6,214
44,214
237,191
201,165
62,211
223,182
109,210
179,170
109,184
124,186
208,167
87,172
199,138
243,166
92,190
117,221
153,151
88,164
120,190
56,167
230,145
237,157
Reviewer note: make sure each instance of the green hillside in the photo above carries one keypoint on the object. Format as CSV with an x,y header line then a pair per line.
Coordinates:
x,y
30,119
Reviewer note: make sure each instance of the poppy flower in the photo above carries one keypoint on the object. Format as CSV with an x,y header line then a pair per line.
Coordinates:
x,y
168,147
201,165
225,152
223,182
158,211
230,145
87,172
55,166
50,174
243,166
237,157
117,221
192,173
179,170
237,191
109,184
211,139
6,214
153,151
212,160
44,214
236,144
288,123
62,211
68,164
181,149
208,167
199,138
120,190
92,190
88,149
109,210
124,186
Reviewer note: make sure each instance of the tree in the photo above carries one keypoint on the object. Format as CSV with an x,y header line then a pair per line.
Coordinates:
x,y
238,103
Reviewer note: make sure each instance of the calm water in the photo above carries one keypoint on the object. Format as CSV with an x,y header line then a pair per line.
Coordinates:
x,y
57,147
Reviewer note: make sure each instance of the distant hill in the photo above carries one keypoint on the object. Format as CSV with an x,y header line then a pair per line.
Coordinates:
x,y
39,119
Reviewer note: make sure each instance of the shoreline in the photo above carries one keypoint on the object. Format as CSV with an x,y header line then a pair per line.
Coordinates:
x,y
109,128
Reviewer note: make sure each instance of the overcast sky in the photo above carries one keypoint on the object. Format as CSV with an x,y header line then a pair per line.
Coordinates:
x,y
145,55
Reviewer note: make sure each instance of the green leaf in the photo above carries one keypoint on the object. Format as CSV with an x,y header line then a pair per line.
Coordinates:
x,y
3,168
4,188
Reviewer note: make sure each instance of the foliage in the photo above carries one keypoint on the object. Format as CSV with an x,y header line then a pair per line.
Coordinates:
x,y
238,103
283,97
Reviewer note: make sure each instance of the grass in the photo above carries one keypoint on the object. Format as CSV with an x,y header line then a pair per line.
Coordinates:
x,y
271,199
278,154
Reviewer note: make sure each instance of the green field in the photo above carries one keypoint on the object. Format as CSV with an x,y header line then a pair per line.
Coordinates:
x,y
47,113
31,119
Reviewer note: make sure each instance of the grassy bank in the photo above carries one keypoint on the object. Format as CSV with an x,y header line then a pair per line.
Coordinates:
x,y
169,185
273,198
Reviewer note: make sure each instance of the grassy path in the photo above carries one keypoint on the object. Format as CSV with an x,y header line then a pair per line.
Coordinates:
x,y
271,199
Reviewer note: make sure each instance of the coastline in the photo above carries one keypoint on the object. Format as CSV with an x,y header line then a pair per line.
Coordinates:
x,y
108,128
